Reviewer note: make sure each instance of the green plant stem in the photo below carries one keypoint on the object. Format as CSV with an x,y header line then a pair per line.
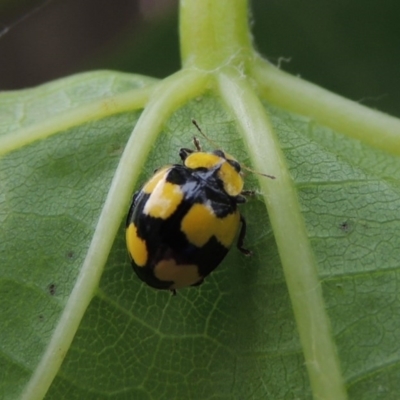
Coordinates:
x,y
172,93
372,127
215,37
290,233
214,33
128,101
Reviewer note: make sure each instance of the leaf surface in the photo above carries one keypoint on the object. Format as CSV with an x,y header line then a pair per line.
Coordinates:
x,y
235,336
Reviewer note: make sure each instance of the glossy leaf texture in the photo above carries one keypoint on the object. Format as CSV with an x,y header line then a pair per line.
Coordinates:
x,y
235,336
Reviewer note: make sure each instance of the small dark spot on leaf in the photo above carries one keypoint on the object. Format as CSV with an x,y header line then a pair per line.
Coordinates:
x,y
345,226
41,318
52,289
70,254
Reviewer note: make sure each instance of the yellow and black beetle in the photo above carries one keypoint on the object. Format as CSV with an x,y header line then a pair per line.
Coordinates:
x,y
183,221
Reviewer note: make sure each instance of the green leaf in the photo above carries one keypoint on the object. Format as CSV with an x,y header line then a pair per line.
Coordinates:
x,y
314,311
51,195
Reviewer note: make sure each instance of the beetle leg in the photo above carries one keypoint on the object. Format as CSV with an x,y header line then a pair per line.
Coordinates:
x,y
242,234
240,199
248,192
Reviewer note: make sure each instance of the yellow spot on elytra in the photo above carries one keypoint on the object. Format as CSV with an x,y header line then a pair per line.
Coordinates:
x,y
164,200
182,275
200,224
136,246
155,179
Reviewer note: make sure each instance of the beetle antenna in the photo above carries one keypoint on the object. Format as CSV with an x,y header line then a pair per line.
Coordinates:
x,y
256,172
194,122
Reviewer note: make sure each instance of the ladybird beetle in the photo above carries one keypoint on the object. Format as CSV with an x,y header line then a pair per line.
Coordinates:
x,y
183,221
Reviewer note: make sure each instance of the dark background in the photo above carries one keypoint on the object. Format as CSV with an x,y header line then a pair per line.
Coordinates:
x,y
351,47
